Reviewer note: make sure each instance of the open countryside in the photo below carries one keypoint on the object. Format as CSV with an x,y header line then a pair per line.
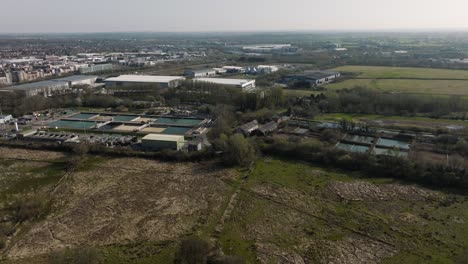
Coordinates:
x,y
406,80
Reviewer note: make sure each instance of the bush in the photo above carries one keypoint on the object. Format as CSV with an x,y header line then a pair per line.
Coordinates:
x,y
30,208
83,255
192,251
239,151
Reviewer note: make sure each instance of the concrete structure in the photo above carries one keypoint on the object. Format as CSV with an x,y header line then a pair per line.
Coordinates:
x,y
46,88
245,84
200,73
157,142
5,118
43,136
314,78
162,81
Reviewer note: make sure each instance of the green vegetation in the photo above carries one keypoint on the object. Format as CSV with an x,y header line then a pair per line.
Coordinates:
x,y
379,72
427,87
290,205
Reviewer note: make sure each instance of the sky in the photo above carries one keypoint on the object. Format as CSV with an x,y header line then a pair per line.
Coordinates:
x,y
72,16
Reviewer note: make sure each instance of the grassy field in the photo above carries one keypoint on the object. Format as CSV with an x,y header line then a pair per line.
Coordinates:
x,y
292,212
376,72
428,87
406,80
137,211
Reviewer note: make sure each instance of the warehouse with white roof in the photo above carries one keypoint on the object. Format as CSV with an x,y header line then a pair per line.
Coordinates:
x,y
162,81
245,84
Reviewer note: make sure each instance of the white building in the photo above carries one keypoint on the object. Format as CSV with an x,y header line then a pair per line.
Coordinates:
x,y
200,73
245,84
162,81
5,118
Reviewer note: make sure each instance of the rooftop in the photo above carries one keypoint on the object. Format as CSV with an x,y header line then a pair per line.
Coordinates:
x,y
144,78
239,82
163,137
76,78
36,85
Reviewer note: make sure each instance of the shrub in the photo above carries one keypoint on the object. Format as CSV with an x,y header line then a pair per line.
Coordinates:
x,y
84,255
192,251
30,208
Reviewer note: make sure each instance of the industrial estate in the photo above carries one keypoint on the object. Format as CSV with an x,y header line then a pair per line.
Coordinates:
x,y
234,148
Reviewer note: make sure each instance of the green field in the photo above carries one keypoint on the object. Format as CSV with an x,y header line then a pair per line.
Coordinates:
x,y
428,87
289,213
376,72
405,80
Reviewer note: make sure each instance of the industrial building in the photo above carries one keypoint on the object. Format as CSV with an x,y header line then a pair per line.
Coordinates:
x,y
46,88
96,68
234,69
261,69
314,78
245,84
200,73
49,87
162,81
5,118
76,80
156,142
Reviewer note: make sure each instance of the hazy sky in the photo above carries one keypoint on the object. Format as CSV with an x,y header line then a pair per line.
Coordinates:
x,y
223,15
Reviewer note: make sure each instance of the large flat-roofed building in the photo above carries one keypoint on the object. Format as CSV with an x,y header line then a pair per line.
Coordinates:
x,y
245,84
162,81
315,78
45,88
200,73
157,142
78,80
